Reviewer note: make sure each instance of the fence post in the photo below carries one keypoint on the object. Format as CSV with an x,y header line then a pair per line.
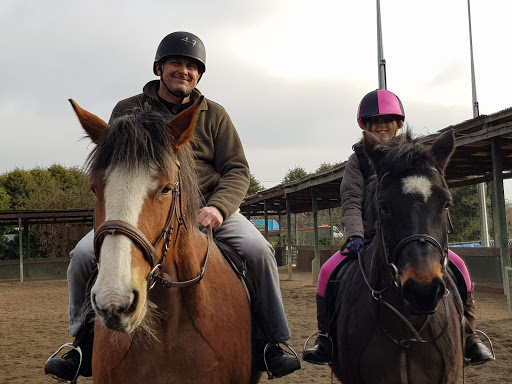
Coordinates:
x,y
509,293
289,237
20,231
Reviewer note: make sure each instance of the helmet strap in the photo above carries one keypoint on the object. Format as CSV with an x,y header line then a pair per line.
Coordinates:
x,y
177,105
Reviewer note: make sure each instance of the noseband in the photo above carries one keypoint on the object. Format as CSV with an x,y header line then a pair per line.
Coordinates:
x,y
119,227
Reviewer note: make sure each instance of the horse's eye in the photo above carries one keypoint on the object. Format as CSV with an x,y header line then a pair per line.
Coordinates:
x,y
447,205
384,209
166,190
93,191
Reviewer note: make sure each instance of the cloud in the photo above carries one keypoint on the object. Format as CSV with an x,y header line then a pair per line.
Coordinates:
x,y
290,73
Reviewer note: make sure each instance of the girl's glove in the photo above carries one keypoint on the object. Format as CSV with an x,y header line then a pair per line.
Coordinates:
x,y
355,244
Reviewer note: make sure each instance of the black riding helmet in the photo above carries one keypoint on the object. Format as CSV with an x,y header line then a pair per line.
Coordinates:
x,y
182,44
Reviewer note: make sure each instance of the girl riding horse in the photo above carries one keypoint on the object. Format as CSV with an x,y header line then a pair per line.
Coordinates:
x,y
381,113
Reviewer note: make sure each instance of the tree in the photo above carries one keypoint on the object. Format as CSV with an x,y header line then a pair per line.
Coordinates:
x,y
69,178
54,188
254,186
295,174
324,167
18,184
5,200
60,188
464,214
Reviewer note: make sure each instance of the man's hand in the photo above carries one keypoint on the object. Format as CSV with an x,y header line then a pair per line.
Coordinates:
x,y
210,216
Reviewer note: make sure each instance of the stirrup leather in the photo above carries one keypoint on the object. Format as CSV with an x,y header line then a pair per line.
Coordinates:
x,y
71,347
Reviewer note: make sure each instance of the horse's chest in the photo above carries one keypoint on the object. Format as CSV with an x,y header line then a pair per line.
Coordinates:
x,y
385,362
184,357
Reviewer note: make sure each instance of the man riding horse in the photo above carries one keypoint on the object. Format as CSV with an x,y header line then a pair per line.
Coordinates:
x,y
224,177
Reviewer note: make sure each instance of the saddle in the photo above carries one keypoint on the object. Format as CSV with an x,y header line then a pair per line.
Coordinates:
x,y
458,279
333,286
335,279
246,276
250,284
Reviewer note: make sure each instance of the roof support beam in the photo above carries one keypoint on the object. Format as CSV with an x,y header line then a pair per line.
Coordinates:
x,y
315,264
500,220
289,237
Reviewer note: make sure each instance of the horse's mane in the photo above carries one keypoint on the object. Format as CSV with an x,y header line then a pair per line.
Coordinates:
x,y
144,138
403,153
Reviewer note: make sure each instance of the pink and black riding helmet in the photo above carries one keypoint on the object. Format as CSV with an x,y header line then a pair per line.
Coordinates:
x,y
379,103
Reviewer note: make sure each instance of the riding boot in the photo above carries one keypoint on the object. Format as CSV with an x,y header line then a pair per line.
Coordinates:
x,y
76,362
270,357
476,352
321,352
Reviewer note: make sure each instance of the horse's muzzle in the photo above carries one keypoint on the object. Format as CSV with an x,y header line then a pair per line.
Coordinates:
x,y
423,299
116,311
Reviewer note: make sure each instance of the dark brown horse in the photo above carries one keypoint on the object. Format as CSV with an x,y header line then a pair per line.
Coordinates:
x,y
169,309
399,314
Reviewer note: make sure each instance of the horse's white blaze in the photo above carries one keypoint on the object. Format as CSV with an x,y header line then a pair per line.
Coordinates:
x,y
420,185
124,197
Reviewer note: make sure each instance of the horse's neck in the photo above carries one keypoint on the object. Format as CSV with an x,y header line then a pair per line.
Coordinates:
x,y
210,305
184,262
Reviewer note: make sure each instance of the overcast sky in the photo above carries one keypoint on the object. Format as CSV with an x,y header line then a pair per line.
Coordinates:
x,y
290,73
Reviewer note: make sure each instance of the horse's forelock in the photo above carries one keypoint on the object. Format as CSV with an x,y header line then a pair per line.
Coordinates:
x,y
141,138
403,154
144,139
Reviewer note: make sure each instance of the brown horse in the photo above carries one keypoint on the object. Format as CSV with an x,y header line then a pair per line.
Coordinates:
x,y
399,314
169,309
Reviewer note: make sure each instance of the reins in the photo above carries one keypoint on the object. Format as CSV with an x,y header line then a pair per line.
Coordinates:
x,y
164,279
119,227
377,295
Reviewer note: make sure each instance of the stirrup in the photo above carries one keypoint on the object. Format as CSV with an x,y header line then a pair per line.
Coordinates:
x,y
467,361
71,347
270,375
319,334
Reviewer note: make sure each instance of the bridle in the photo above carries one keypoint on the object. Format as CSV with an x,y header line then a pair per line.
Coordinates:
x,y
120,227
420,237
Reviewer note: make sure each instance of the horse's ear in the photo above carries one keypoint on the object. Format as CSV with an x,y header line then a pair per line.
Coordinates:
x,y
184,123
372,148
92,124
443,148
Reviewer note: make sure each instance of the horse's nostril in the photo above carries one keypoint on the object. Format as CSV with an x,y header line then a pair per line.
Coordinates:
x,y
135,302
93,301
441,288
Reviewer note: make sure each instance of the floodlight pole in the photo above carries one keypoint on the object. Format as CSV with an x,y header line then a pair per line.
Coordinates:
x,y
482,205
380,52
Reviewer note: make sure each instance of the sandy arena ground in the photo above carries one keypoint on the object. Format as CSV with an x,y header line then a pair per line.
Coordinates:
x,y
34,323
